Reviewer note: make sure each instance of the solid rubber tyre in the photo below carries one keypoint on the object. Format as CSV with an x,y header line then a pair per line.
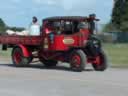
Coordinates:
x,y
18,59
102,65
78,60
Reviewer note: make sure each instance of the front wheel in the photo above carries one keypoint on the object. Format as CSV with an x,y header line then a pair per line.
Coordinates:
x,y
78,60
100,63
18,59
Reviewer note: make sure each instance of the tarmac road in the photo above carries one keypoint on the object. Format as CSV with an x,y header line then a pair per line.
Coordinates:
x,y
60,81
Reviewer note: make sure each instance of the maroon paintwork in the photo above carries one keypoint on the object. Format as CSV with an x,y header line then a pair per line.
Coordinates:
x,y
25,40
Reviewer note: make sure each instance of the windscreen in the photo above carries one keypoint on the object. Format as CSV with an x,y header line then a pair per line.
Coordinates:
x,y
70,27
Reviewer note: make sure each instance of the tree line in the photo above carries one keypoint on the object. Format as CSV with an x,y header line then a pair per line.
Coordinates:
x,y
4,27
119,18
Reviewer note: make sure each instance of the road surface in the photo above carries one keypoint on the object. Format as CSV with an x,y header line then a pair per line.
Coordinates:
x,y
60,81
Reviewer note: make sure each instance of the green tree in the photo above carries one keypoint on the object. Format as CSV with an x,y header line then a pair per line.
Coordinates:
x,y
109,27
120,15
16,28
2,26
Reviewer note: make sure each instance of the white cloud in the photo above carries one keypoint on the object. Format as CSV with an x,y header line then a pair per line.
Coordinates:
x,y
102,8
76,4
67,4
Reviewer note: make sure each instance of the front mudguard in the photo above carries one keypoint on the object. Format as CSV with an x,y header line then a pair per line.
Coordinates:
x,y
93,46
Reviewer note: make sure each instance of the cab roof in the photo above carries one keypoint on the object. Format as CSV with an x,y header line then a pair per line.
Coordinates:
x,y
66,18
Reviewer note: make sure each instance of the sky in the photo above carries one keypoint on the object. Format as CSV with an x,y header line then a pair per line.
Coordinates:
x,y
20,12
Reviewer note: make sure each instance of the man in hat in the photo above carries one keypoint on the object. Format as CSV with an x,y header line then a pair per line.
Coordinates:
x,y
33,30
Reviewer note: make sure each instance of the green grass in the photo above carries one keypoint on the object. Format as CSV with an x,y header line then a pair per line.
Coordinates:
x,y
117,54
5,54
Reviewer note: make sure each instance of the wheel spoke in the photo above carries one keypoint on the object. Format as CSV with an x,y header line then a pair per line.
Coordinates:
x,y
100,63
17,57
76,60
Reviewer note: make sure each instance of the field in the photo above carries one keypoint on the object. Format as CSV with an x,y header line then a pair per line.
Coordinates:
x,y
117,54
5,54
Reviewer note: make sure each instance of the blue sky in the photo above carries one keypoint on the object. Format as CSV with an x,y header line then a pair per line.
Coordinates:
x,y
20,12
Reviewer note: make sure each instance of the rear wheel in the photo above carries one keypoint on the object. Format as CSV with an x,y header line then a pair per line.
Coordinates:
x,y
18,59
78,60
100,63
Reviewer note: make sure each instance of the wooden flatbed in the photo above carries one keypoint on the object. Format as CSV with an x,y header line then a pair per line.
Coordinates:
x,y
15,39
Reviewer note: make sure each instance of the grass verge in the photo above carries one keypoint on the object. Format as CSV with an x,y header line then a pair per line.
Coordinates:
x,y
117,54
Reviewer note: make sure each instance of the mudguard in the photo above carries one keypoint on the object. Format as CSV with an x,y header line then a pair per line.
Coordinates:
x,y
25,51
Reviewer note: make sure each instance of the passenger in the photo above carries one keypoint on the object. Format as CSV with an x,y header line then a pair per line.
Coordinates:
x,y
60,30
48,28
49,31
34,29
